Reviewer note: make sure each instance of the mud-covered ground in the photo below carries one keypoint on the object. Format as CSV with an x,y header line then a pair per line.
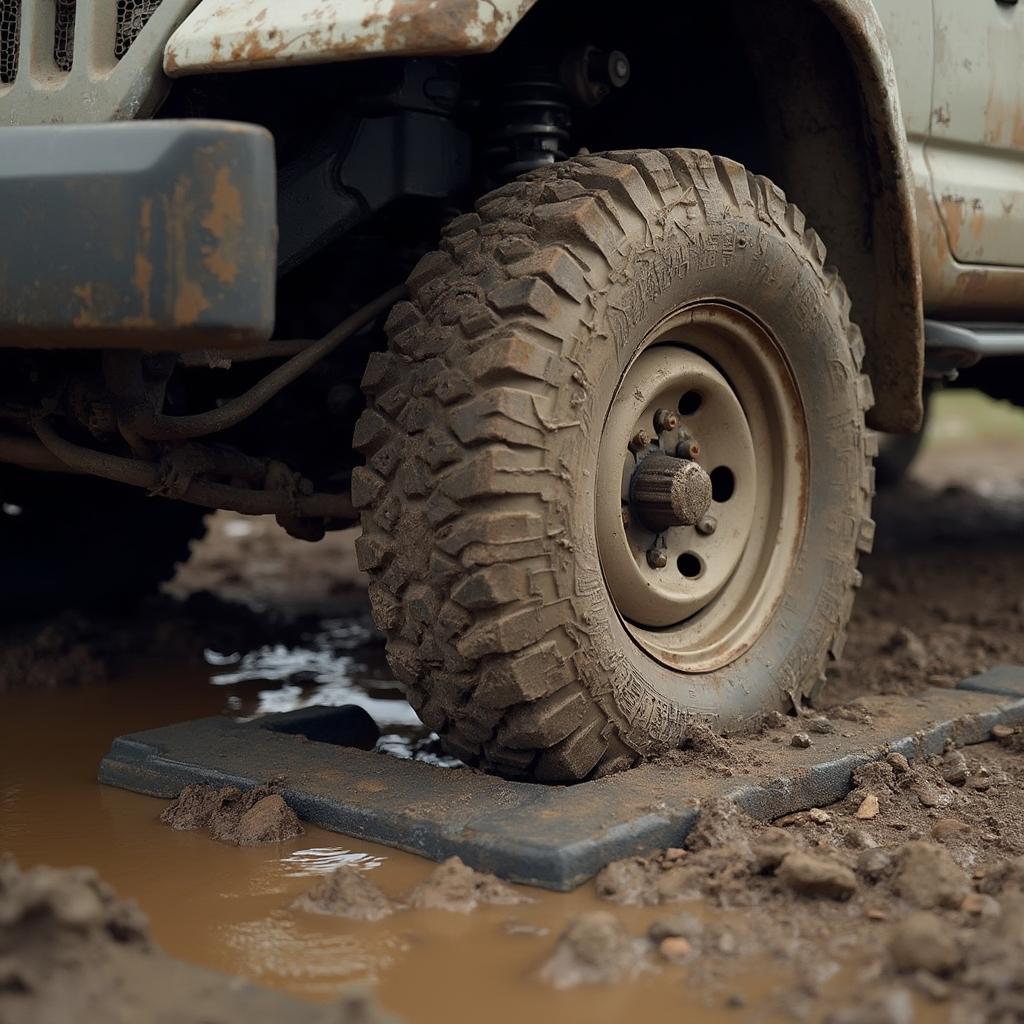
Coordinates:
x,y
901,903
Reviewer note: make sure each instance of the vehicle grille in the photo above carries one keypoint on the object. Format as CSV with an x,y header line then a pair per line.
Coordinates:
x,y
132,16
10,29
79,61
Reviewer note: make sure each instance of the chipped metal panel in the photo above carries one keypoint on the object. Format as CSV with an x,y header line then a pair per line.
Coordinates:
x,y
154,234
236,35
976,149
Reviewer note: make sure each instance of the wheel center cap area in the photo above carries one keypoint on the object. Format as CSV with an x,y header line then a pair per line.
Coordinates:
x,y
667,492
676,485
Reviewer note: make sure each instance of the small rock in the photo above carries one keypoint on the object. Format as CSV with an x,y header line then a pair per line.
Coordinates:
x,y
818,816
1002,732
929,795
812,875
868,807
800,739
674,853
874,864
928,877
595,948
898,762
945,828
877,914
775,720
923,942
820,725
675,948
346,892
980,780
954,768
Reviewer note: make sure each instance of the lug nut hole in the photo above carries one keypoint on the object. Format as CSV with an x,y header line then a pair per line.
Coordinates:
x,y
723,484
689,565
690,403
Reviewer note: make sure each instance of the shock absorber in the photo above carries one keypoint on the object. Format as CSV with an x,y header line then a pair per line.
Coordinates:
x,y
535,119
533,114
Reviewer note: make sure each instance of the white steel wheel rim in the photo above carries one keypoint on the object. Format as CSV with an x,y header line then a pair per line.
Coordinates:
x,y
722,580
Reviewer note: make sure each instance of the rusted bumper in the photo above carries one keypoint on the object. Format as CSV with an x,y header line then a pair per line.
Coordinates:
x,y
153,234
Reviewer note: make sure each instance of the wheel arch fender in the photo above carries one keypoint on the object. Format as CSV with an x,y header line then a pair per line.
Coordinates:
x,y
886,287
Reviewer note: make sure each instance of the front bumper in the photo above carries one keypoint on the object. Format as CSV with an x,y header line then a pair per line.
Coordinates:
x,y
159,235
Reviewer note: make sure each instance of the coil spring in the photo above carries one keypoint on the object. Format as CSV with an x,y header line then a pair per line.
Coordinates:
x,y
535,129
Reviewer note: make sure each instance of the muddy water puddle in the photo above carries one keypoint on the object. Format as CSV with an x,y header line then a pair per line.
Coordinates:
x,y
229,908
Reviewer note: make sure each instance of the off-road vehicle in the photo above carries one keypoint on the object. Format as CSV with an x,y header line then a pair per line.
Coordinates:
x,y
589,313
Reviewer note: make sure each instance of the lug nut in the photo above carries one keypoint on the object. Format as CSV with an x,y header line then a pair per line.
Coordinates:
x,y
707,526
657,558
665,419
640,440
687,450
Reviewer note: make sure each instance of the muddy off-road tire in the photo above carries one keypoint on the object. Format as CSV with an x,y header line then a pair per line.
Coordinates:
x,y
78,542
509,573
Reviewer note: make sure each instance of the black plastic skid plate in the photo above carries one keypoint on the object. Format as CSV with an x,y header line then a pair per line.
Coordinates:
x,y
551,836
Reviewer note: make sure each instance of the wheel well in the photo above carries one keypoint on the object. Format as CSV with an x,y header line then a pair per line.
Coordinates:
x,y
795,90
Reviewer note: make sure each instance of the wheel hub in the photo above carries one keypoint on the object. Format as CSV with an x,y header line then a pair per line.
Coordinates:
x,y
694,488
667,492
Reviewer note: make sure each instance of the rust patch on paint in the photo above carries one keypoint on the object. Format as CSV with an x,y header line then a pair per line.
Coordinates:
x,y
189,301
224,222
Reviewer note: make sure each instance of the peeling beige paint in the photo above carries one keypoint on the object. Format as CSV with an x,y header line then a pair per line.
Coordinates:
x,y
235,35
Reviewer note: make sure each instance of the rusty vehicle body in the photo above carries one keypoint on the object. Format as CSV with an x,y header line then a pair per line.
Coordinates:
x,y
191,190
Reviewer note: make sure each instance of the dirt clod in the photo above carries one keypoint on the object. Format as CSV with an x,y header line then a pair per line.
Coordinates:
x,y
924,942
928,877
813,875
720,822
595,948
800,739
250,818
346,892
70,950
454,886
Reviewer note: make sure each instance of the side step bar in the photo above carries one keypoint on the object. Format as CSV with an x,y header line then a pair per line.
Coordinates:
x,y
955,346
